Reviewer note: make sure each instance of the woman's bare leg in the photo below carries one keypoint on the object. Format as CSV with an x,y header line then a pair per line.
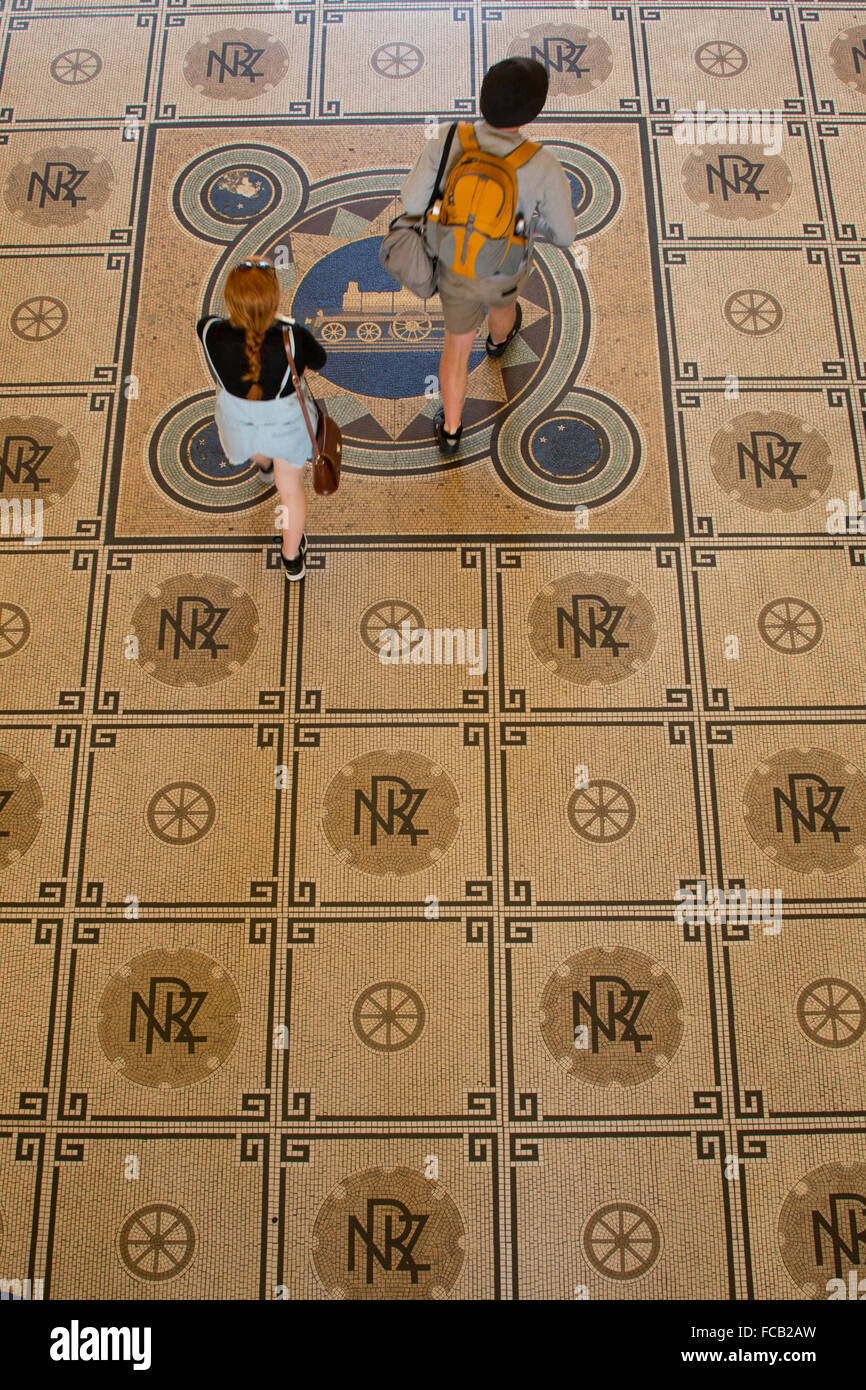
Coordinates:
x,y
290,486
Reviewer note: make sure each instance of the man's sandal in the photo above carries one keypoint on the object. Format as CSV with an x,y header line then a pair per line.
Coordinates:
x,y
496,349
448,443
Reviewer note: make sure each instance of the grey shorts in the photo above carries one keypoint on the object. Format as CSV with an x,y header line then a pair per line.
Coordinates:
x,y
465,302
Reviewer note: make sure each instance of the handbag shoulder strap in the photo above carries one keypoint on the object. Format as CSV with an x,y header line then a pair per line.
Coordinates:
x,y
297,385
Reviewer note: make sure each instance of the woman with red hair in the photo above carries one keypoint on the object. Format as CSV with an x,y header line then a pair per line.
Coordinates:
x,y
258,414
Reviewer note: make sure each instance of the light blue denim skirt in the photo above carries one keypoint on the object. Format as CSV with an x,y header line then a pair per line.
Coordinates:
x,y
275,428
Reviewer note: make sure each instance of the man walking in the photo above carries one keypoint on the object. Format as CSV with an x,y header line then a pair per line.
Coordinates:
x,y
513,92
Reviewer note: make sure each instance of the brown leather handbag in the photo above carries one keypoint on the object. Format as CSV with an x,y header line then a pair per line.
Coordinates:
x,y
327,441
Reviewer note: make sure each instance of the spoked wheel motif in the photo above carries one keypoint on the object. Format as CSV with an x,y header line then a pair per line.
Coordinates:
x,y
38,318
411,330
389,1016
720,58
832,1012
157,1242
397,60
181,813
369,332
753,311
333,332
75,66
621,1241
387,613
790,626
14,629
602,812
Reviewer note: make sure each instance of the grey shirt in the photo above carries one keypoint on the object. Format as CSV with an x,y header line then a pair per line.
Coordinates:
x,y
541,183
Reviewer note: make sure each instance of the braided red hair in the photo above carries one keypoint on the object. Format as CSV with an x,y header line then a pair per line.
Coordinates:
x,y
252,296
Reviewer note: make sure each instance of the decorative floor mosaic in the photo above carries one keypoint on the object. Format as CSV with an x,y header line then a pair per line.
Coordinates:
x,y
529,963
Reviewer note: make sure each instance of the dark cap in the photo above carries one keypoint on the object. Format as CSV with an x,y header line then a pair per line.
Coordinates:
x,y
513,92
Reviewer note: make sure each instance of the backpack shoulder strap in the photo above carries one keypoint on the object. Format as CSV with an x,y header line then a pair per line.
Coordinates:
x,y
446,150
468,138
521,154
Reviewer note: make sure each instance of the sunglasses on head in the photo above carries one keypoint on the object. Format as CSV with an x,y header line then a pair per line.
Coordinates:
x,y
258,265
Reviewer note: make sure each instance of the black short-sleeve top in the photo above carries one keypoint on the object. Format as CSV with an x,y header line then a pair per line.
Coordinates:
x,y
225,344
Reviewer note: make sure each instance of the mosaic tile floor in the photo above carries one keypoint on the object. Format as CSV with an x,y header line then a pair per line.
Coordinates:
x,y
533,973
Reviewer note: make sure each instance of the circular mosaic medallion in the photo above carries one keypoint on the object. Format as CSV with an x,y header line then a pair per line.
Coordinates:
x,y
575,60
180,813
790,626
203,460
601,812
569,448
391,813
388,1233
397,60
215,195
389,1016
621,1241
59,186
75,66
388,615
195,629
14,629
771,462
738,183
806,809
821,1227
720,58
188,463
157,1242
754,312
38,318
832,1012
592,629
236,64
169,1019
581,191
239,193
611,1017
21,806
40,458
596,188
846,57
585,453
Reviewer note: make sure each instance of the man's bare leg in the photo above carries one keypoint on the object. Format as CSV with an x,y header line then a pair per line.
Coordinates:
x,y
500,322
453,376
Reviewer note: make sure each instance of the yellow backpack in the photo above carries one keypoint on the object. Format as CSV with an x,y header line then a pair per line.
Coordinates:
x,y
476,215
